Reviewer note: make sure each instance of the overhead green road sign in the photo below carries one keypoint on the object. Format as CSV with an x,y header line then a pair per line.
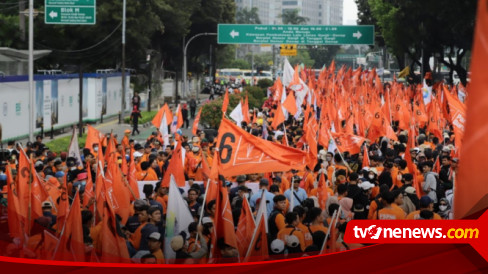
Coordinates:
x,y
70,12
295,34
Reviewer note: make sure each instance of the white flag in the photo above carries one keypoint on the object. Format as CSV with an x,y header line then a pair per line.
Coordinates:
x,y
163,129
74,149
236,114
287,73
178,218
426,93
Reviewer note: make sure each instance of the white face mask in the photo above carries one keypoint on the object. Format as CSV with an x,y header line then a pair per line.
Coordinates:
x,y
442,208
95,149
246,195
399,177
371,176
328,159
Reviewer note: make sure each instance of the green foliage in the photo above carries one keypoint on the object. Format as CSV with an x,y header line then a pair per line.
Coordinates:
x,y
265,83
261,61
322,55
147,116
238,63
292,17
62,144
9,30
302,57
212,111
248,16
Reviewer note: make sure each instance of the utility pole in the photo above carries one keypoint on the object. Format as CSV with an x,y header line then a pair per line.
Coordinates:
x,y
122,107
31,71
80,113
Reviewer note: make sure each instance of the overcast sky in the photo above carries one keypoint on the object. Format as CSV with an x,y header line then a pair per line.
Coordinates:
x,y
350,13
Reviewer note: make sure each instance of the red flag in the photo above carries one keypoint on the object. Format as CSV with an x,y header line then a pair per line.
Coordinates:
x,y
243,153
49,245
225,102
470,185
195,123
71,246
175,167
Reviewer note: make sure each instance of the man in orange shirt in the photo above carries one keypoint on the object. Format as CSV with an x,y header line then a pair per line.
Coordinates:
x,y
426,203
291,219
390,211
145,174
125,139
154,244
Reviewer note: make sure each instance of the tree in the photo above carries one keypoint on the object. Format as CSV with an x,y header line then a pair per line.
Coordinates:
x,y
291,17
302,57
413,27
248,16
322,54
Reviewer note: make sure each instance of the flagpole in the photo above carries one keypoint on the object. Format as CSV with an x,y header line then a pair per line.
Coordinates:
x,y
203,207
333,222
29,210
257,227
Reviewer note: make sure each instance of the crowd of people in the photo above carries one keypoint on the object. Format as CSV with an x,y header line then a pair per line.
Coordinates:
x,y
307,210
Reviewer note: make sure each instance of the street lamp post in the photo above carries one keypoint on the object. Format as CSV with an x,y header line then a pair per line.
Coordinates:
x,y
122,107
185,47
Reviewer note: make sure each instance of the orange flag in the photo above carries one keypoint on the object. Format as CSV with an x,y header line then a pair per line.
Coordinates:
x,y
16,218
195,123
245,228
470,184
71,246
366,162
311,138
156,121
131,177
92,137
180,117
410,165
63,207
324,138
118,191
457,113
245,110
290,103
224,222
258,248
279,117
243,153
322,194
89,191
114,248
110,148
49,245
175,167
348,142
23,181
225,102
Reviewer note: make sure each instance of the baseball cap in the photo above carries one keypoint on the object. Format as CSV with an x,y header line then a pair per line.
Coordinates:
x,y
127,131
264,182
206,220
154,236
46,204
177,242
81,176
243,188
241,178
137,154
410,190
425,201
277,246
366,185
138,146
59,174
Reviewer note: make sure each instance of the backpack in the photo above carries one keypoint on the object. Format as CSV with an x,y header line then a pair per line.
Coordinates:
x,y
272,228
440,189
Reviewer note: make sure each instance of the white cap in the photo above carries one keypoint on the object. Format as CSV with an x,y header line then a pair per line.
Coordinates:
x,y
292,241
155,236
277,246
206,220
137,154
366,185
